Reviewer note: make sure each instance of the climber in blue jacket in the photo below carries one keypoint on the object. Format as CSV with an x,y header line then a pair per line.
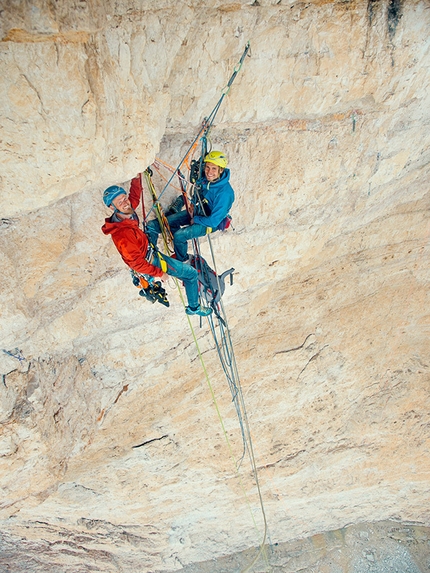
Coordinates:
x,y
210,207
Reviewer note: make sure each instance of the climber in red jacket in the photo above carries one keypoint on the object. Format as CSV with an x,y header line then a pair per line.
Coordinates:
x,y
134,247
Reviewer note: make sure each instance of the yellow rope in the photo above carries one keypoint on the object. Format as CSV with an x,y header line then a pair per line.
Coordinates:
x,y
161,218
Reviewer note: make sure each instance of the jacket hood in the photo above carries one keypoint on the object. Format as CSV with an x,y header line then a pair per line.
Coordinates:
x,y
110,227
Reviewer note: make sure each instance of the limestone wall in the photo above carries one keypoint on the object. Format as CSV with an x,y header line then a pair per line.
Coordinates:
x,y
327,130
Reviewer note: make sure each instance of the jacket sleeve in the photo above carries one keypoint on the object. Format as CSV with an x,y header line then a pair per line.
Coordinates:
x,y
133,254
221,206
135,191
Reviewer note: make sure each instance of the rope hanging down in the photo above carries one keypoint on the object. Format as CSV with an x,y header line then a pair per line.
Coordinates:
x,y
222,340
224,347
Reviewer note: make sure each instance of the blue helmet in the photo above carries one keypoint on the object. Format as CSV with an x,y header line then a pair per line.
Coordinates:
x,y
111,193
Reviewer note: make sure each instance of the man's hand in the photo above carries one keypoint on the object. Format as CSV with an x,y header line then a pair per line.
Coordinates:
x,y
164,277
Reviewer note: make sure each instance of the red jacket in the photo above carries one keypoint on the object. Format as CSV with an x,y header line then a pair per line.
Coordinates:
x,y
129,239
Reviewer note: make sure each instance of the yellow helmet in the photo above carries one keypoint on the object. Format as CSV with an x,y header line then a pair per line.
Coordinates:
x,y
217,158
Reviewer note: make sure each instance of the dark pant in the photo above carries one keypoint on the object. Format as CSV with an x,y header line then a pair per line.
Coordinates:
x,y
182,232
185,273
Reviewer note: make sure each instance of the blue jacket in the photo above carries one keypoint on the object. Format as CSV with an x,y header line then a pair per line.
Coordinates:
x,y
219,197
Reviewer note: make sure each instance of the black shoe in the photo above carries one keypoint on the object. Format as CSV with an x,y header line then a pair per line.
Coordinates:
x,y
175,206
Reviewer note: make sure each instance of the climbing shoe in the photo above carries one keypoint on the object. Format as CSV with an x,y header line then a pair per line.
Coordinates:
x,y
155,293
175,206
200,310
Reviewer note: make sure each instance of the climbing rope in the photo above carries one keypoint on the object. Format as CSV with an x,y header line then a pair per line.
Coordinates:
x,y
227,357
207,121
218,321
161,218
262,551
183,182
224,346
158,163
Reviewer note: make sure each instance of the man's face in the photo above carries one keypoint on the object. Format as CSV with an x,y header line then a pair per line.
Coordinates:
x,y
212,171
123,204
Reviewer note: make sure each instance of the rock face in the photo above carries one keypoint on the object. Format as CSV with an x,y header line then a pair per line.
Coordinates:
x,y
382,547
112,455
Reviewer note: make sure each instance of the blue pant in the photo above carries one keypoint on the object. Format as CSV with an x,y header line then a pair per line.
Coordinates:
x,y
182,232
185,273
